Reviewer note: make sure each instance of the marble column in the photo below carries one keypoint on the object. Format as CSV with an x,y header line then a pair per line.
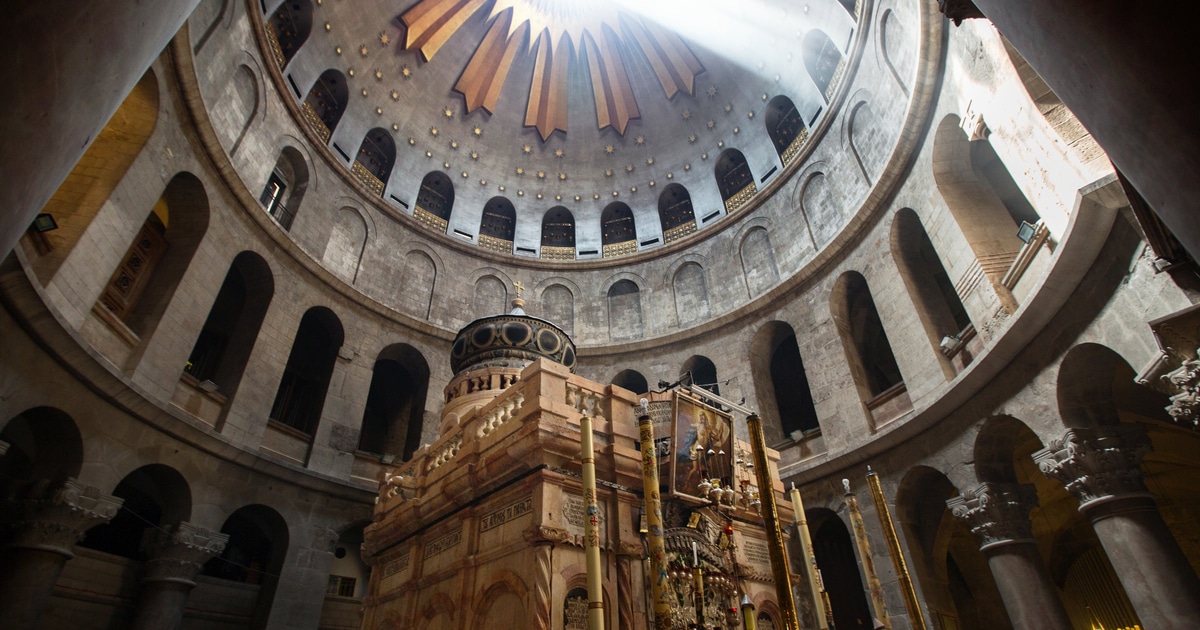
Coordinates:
x,y
45,530
174,560
998,515
1102,468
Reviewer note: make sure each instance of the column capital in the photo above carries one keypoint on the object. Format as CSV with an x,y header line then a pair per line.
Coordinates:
x,y
1097,463
59,518
178,555
997,513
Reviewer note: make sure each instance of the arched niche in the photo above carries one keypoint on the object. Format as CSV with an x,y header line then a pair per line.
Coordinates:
x,y
254,554
374,160
785,127
154,495
395,410
943,316
675,213
618,233
94,178
490,298
285,187
144,282
223,347
326,102
44,448
785,396
734,179
288,29
869,353
624,310
835,554
301,394
558,307
346,245
558,234
823,61
435,201
498,225
631,380
699,370
690,289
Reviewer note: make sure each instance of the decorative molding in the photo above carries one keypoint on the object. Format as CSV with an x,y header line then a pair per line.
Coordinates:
x,y
997,513
178,556
60,519
1176,370
1097,463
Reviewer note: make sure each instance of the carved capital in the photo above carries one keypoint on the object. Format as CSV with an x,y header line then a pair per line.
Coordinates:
x,y
59,518
545,533
1097,463
1184,383
631,548
178,556
959,10
997,513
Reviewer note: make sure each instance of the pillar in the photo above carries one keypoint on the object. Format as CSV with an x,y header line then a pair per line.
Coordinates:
x,y
45,531
1101,466
174,559
998,515
67,65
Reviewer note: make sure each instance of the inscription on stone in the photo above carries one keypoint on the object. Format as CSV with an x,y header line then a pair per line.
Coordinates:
x,y
575,610
506,514
396,566
757,554
445,542
573,511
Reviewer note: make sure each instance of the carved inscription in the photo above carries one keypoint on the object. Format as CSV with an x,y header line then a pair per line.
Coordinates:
x,y
445,542
756,553
506,514
396,566
575,610
573,512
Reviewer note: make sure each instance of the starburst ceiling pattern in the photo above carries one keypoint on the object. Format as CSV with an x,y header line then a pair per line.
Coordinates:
x,y
555,32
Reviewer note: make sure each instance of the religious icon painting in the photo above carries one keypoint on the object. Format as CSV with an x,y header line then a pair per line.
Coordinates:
x,y
702,444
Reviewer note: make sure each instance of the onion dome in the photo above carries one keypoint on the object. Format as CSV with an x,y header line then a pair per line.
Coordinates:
x,y
515,339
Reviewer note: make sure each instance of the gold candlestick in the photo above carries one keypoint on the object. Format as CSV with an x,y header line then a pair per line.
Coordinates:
x,y
917,618
591,532
766,491
864,553
810,558
660,594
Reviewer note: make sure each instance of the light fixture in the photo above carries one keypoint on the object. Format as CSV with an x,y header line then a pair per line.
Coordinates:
x,y
1025,232
44,223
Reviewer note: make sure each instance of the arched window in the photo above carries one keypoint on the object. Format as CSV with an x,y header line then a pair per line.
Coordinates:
x,y
631,380
823,61
223,347
988,206
558,307
833,548
675,213
155,496
395,411
144,283
938,306
498,226
373,163
785,398
254,554
44,446
785,127
435,202
701,371
326,102
301,395
624,310
96,175
289,28
868,351
558,234
734,179
618,234
285,187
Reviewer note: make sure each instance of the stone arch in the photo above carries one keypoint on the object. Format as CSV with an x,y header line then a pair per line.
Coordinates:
x,y
758,261
498,225
155,495
438,606
734,179
701,371
223,347
676,215
417,283
820,209
558,234
346,245
92,181
286,185
868,352
895,49
490,298
501,604
393,418
300,399
785,127
326,102
866,138
785,398
44,443
1096,388
631,380
288,29
255,554
618,231
205,8
374,161
624,310
690,289
834,551
436,198
823,60
558,306
939,307
144,283
1077,138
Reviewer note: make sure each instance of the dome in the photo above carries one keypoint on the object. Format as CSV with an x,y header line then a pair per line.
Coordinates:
x,y
511,340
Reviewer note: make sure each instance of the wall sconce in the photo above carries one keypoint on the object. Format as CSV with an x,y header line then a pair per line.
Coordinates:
x,y
44,223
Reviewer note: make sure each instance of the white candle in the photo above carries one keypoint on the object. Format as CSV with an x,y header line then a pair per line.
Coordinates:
x,y
695,555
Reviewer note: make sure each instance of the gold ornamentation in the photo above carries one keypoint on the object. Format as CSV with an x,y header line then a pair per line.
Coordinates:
x,y
384,39
679,231
615,250
740,198
367,178
556,253
405,72
712,91
494,244
429,220
608,149
362,50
